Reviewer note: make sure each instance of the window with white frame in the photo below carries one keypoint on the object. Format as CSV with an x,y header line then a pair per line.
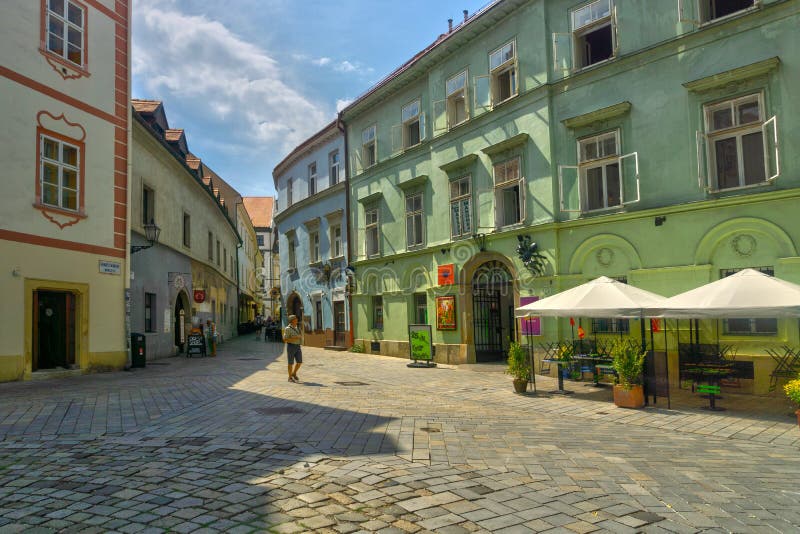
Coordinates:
x,y
509,200
411,130
745,326
313,246
369,147
704,11
599,170
292,254
312,179
461,207
594,33
457,109
336,241
414,221
738,145
503,71
66,30
60,174
371,245
334,167
289,199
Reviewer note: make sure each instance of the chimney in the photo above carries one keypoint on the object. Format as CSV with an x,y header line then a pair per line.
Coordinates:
x,y
449,25
466,15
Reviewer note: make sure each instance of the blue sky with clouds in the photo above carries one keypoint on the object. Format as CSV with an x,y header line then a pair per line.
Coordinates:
x,y
248,80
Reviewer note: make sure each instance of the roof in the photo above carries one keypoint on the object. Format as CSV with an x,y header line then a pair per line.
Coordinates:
x,y
260,210
145,106
328,130
173,134
193,161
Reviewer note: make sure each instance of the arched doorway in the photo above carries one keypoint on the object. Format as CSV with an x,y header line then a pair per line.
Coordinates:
x,y
294,306
492,311
180,326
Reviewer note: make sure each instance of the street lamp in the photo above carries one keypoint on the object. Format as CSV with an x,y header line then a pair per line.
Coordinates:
x,y
151,233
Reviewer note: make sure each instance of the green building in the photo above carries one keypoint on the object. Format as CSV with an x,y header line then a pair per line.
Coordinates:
x,y
652,142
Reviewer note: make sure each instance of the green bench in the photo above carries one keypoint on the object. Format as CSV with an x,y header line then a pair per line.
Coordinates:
x,y
712,392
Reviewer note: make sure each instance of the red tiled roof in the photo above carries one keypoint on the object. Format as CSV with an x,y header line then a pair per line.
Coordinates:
x,y
173,134
145,106
260,210
193,161
207,181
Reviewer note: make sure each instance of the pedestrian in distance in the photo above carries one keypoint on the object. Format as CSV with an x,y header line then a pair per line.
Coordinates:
x,y
269,328
292,338
259,324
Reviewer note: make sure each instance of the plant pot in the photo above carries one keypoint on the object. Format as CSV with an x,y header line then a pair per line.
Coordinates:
x,y
520,385
628,398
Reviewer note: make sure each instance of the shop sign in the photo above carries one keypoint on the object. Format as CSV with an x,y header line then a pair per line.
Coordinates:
x,y
447,274
110,267
199,295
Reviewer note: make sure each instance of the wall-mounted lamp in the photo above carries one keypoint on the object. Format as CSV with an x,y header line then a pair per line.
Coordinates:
x,y
660,220
445,250
480,241
151,233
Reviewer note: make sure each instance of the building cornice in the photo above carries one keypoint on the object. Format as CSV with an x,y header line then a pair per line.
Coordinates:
x,y
309,201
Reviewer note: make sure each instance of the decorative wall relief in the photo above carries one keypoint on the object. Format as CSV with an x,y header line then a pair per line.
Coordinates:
x,y
605,256
744,245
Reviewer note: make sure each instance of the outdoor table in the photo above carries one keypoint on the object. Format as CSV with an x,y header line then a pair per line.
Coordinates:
x,y
711,374
559,364
595,361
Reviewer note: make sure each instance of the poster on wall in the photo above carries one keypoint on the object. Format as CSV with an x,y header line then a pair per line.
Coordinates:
x,y
420,342
446,313
531,326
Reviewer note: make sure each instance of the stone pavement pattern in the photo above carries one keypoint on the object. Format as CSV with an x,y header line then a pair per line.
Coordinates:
x,y
366,444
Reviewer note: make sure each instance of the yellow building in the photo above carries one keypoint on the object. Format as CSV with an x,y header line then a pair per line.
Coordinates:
x,y
63,213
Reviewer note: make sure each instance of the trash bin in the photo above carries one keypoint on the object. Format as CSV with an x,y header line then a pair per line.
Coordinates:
x,y
138,350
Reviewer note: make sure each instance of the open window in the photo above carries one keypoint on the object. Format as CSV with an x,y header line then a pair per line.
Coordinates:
x,y
592,39
369,147
603,179
738,147
411,130
503,72
454,110
704,11
509,193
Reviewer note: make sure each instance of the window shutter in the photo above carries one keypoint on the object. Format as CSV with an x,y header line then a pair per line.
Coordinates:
x,y
423,127
688,11
614,28
397,139
355,161
562,52
483,98
771,152
703,181
439,117
569,187
498,207
523,200
630,178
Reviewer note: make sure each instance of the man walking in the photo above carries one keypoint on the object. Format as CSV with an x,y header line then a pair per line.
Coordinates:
x,y
291,336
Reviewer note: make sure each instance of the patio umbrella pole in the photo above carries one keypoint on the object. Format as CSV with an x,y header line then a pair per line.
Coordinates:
x,y
666,358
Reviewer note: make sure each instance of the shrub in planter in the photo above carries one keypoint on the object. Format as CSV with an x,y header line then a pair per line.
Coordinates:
x,y
629,364
519,366
792,390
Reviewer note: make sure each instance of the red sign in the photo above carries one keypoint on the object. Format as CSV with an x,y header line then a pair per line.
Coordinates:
x,y
199,295
447,274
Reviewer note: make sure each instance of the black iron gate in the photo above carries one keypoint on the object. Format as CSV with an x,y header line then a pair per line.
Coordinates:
x,y
487,324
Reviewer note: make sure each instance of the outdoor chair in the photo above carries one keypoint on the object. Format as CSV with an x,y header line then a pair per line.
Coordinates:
x,y
544,367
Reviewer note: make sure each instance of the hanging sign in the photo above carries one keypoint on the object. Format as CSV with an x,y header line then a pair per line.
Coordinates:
x,y
447,274
199,295
531,326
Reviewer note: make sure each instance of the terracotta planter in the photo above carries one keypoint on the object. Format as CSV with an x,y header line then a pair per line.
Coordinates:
x,y
629,398
520,386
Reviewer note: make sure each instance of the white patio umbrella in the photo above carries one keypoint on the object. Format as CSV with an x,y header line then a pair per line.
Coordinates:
x,y
748,293
599,298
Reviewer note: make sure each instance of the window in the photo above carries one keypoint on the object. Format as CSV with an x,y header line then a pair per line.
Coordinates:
x,y
148,205
461,207
377,312
219,260
756,327
420,308
210,246
289,192
336,241
369,147
710,10
65,30
312,179
60,169
292,253
260,240
593,31
599,170
503,72
457,110
333,167
735,134
371,224
414,221
412,127
225,259
508,189
149,312
313,246
187,230
318,314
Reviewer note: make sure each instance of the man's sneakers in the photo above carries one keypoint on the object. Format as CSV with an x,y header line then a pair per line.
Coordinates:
x,y
294,377
291,379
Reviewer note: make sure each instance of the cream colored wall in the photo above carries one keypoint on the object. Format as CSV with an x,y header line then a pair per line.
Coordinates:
x,y
176,191
249,254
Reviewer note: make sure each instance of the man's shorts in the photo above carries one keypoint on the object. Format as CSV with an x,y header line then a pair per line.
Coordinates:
x,y
294,353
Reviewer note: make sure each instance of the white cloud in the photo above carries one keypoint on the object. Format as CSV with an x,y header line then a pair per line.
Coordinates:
x,y
343,103
321,61
239,87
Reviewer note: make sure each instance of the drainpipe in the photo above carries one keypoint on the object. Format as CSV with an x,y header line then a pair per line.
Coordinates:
x,y
343,128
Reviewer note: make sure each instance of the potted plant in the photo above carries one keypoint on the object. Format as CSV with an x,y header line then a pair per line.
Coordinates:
x,y
518,366
792,389
628,363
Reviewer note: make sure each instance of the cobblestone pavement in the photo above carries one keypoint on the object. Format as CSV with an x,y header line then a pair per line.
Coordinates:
x,y
366,444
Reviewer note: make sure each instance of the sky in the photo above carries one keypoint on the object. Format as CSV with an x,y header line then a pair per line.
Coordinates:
x,y
248,80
